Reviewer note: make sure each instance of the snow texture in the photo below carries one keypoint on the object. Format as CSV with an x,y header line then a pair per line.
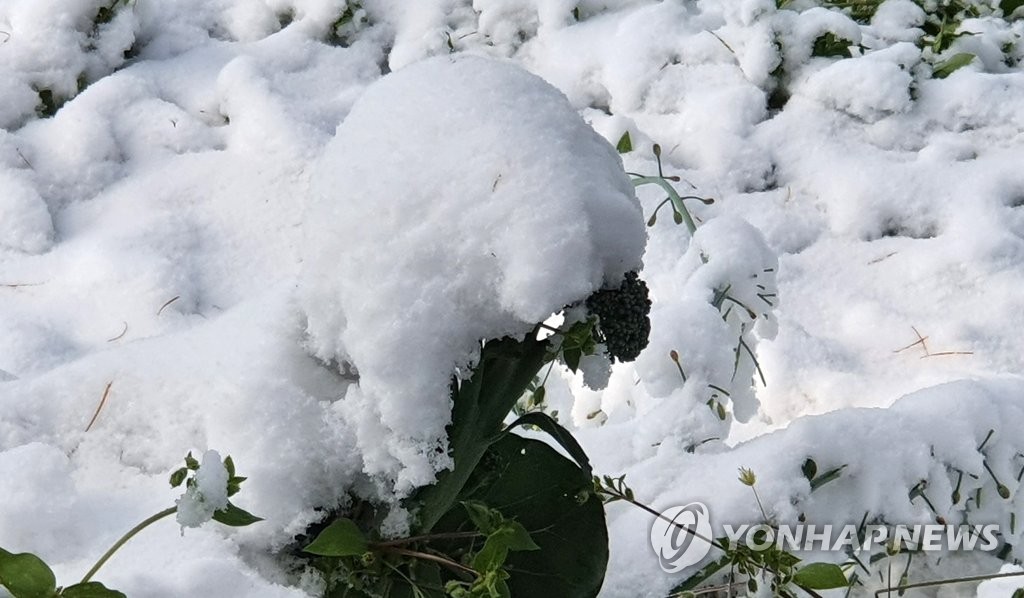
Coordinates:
x,y
182,218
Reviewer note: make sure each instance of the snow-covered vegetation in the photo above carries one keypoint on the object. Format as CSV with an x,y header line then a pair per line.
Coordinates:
x,y
295,230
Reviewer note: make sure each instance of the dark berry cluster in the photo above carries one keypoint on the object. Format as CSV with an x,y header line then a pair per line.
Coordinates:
x,y
623,321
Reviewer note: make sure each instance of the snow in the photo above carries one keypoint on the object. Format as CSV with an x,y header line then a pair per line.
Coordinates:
x,y
404,272
194,228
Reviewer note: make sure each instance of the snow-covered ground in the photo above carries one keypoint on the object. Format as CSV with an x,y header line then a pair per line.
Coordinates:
x,y
155,237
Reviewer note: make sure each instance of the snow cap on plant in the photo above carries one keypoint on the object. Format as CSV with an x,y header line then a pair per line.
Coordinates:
x,y
207,495
462,199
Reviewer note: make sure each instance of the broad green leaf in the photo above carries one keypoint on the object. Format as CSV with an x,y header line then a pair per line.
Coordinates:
x,y
235,517
547,494
341,538
26,576
191,462
947,67
625,144
1008,6
820,576
91,589
562,436
505,369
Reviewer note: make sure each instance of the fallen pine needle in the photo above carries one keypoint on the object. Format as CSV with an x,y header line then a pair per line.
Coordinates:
x,y
123,332
103,401
172,300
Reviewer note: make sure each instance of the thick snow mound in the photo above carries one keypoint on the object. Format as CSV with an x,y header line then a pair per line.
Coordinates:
x,y
462,199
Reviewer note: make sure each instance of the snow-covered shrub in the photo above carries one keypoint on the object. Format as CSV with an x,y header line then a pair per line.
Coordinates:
x,y
462,200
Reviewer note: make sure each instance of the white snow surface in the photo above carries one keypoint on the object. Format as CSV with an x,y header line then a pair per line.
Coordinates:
x,y
193,228
462,199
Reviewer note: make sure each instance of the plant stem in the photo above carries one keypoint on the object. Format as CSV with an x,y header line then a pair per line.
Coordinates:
x,y
128,536
677,201
433,557
939,582
641,505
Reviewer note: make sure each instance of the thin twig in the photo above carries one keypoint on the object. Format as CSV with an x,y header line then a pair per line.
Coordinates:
x,y
123,332
103,401
940,582
920,341
437,559
24,159
21,284
948,353
172,300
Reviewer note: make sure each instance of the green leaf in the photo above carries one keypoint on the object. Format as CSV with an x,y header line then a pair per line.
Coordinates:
x,y
519,538
947,67
820,576
826,477
809,468
505,369
552,499
235,517
706,572
178,477
26,576
229,464
572,358
91,589
340,538
492,556
562,436
1008,6
831,45
625,144
483,517
191,462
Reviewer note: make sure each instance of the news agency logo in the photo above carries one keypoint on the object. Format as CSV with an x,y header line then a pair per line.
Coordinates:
x,y
681,536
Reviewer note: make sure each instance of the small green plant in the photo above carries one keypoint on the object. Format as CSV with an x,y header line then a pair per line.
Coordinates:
x,y
513,517
25,575
747,567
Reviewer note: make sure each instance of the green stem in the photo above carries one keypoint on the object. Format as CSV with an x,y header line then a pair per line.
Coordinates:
x,y
450,564
677,202
128,536
636,503
939,582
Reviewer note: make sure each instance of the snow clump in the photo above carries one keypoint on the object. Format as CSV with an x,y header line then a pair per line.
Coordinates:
x,y
462,199
208,495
